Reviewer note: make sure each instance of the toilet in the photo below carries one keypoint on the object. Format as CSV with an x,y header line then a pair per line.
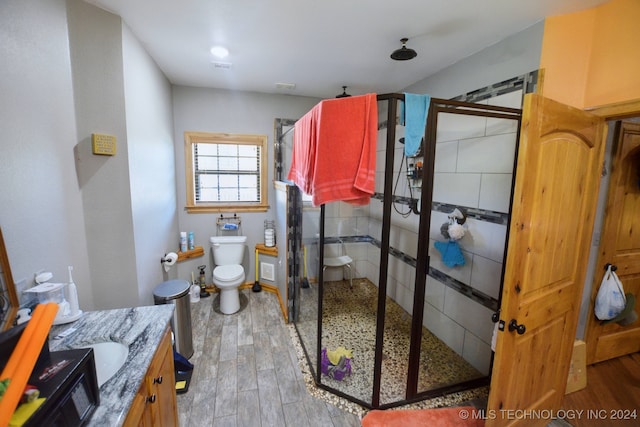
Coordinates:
x,y
228,274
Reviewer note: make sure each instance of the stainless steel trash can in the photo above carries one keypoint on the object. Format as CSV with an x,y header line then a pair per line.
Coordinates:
x,y
177,292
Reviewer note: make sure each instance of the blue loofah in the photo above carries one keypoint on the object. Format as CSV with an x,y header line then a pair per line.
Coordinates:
x,y
451,253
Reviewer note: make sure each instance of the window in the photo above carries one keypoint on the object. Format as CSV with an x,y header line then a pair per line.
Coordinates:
x,y
225,172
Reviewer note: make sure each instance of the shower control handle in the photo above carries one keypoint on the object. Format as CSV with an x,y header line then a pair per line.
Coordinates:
x,y
513,326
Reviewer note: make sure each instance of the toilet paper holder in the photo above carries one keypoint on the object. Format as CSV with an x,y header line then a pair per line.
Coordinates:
x,y
168,260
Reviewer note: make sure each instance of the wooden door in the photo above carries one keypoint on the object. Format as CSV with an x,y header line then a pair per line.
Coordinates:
x,y
554,204
620,246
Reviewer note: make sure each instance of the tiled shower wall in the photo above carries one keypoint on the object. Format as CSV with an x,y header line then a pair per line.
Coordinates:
x,y
473,167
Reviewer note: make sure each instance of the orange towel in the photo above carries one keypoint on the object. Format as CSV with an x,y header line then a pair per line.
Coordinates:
x,y
304,148
466,416
334,150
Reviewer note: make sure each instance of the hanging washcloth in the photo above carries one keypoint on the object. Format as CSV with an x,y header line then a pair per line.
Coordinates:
x,y
413,114
450,252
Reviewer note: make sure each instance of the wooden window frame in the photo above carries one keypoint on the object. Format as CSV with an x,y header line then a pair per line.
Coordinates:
x,y
191,138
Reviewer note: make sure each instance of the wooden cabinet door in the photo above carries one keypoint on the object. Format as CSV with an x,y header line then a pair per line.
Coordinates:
x,y
620,246
163,385
138,415
155,403
554,204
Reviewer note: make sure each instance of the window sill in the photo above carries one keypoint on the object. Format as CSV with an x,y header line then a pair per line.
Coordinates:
x,y
224,209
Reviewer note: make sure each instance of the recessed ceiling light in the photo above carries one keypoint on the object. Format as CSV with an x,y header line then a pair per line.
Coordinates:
x,y
219,52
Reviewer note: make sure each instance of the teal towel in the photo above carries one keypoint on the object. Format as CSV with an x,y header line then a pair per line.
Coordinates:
x,y
451,253
413,114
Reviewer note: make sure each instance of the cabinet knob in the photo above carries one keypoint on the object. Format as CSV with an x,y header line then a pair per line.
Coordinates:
x,y
151,399
158,380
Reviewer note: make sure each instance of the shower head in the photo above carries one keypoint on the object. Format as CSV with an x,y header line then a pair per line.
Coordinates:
x,y
404,53
344,93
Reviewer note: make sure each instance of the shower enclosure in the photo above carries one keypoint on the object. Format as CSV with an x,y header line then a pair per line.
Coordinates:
x,y
413,326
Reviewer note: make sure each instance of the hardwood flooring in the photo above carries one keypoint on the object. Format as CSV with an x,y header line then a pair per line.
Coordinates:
x,y
612,396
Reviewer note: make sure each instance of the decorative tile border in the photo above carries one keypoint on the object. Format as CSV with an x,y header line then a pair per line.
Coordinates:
x,y
475,213
526,82
464,289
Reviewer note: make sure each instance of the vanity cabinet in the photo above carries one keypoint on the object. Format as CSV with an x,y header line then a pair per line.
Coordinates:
x,y
155,403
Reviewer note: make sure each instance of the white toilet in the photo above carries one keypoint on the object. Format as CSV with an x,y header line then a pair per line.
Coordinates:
x,y
228,274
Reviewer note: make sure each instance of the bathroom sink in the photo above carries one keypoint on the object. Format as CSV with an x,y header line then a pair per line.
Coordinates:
x,y
110,356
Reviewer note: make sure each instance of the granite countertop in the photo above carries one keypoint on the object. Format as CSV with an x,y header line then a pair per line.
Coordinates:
x,y
141,328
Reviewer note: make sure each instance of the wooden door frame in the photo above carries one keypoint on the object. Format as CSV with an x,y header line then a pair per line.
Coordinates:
x,y
617,111
610,112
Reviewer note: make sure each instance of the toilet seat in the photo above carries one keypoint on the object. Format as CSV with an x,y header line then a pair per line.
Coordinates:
x,y
228,273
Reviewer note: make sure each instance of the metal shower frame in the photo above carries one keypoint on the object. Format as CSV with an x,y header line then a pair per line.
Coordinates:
x,y
422,268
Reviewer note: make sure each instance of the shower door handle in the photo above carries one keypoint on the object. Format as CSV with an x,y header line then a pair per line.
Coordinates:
x,y
513,326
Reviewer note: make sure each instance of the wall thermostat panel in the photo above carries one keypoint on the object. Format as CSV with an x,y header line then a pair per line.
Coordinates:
x,y
104,145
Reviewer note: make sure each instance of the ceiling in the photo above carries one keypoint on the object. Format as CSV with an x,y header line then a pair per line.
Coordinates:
x,y
321,46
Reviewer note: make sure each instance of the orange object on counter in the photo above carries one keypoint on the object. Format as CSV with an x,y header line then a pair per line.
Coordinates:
x,y
24,358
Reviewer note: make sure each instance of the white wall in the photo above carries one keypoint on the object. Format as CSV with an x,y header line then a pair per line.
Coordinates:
x,y
513,56
69,70
150,144
41,211
213,110
95,38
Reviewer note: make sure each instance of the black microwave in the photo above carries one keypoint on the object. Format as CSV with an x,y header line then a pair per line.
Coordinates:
x,y
69,382
66,379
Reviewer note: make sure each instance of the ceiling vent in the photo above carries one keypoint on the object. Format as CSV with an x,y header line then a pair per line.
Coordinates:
x,y
285,86
221,65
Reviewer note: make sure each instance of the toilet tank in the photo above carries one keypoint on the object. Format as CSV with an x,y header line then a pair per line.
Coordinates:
x,y
227,250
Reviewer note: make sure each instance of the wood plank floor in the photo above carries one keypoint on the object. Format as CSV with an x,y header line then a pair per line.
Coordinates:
x,y
612,396
246,372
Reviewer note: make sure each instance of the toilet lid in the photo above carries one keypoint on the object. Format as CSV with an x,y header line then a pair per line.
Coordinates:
x,y
227,273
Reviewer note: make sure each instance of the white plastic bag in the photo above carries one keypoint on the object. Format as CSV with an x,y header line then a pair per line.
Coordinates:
x,y
610,300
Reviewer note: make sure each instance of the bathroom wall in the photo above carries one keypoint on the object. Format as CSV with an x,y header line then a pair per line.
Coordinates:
x,y
513,56
214,110
95,39
41,211
129,198
70,69
151,163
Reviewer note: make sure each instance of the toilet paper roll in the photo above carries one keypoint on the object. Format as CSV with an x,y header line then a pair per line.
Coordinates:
x,y
169,259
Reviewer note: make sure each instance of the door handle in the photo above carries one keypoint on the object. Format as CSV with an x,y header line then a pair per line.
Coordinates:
x,y
513,326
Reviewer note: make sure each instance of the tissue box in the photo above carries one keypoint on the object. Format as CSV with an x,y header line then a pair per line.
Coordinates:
x,y
48,292
577,379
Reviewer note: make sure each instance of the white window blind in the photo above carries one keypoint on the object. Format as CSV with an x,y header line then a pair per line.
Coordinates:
x,y
226,172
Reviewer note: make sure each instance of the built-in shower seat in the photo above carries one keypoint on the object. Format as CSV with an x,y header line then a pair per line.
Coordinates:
x,y
341,261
